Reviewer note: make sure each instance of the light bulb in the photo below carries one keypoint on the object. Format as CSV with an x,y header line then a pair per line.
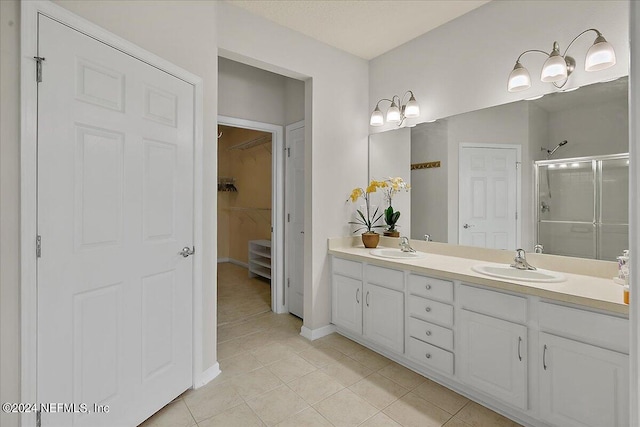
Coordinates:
x,y
377,119
554,68
519,79
600,56
393,113
412,109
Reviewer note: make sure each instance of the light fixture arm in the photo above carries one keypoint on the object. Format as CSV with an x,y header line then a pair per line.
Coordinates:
x,y
531,50
599,34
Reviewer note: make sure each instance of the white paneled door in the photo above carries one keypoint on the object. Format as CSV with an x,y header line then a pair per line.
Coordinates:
x,y
488,197
115,207
295,217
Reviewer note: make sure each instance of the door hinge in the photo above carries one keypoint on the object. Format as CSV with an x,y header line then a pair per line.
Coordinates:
x,y
516,215
38,418
39,61
288,217
288,283
38,246
518,164
288,151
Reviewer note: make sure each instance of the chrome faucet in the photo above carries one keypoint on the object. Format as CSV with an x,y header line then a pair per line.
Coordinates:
x,y
520,261
405,246
538,249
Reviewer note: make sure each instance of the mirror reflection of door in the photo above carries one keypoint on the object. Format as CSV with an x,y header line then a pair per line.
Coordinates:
x,y
295,218
488,197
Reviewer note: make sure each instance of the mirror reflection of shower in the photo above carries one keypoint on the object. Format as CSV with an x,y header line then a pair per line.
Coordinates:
x,y
544,207
550,152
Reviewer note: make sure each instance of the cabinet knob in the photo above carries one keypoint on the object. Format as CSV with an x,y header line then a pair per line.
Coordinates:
x,y
428,287
428,333
428,356
428,309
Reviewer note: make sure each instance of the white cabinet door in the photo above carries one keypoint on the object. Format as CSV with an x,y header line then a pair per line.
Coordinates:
x,y
384,316
582,385
347,303
492,357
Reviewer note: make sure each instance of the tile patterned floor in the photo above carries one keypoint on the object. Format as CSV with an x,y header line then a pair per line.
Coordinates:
x,y
271,376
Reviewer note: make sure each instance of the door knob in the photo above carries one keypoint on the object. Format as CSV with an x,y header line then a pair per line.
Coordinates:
x,y
467,226
186,251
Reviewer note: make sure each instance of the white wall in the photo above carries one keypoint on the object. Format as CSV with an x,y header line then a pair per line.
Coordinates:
x,y
429,198
538,137
591,130
246,92
9,207
293,101
390,156
336,143
463,65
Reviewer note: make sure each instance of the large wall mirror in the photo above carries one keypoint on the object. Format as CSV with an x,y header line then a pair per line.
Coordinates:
x,y
551,171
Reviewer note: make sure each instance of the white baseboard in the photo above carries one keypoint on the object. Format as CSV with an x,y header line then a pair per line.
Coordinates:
x,y
314,334
233,261
207,376
240,263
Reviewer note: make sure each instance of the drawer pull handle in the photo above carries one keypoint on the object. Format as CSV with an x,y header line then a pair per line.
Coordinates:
x,y
428,333
519,343
428,356
428,287
428,309
357,293
367,298
544,357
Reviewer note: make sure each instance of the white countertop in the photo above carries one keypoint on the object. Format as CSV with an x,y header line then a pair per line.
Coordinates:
x,y
589,291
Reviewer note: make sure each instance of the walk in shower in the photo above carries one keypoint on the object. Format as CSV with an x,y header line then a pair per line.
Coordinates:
x,y
583,206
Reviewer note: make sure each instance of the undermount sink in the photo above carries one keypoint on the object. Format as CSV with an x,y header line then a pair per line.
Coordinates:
x,y
507,272
396,254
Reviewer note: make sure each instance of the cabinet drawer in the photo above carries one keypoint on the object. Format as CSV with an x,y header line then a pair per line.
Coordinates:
x,y
431,333
495,304
586,326
431,356
386,277
431,311
429,287
347,268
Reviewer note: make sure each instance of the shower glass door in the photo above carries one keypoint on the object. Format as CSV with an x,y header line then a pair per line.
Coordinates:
x,y
582,206
566,208
613,224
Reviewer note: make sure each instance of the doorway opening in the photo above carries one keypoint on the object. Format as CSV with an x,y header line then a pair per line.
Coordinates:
x,y
246,257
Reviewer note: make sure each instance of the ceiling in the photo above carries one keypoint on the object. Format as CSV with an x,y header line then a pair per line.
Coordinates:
x,y
365,28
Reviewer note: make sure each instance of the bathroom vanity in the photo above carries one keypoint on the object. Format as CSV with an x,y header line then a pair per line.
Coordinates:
x,y
551,353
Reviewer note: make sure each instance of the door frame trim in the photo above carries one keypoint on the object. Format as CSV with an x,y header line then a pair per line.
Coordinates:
x,y
28,182
278,303
518,149
287,201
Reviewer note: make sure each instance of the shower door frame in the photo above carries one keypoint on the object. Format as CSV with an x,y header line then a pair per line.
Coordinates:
x,y
596,165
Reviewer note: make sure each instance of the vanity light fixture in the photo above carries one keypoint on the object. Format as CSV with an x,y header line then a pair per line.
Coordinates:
x,y
557,68
397,111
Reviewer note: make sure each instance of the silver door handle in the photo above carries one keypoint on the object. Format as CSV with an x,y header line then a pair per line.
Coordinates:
x,y
467,226
357,293
519,343
186,251
544,357
367,298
